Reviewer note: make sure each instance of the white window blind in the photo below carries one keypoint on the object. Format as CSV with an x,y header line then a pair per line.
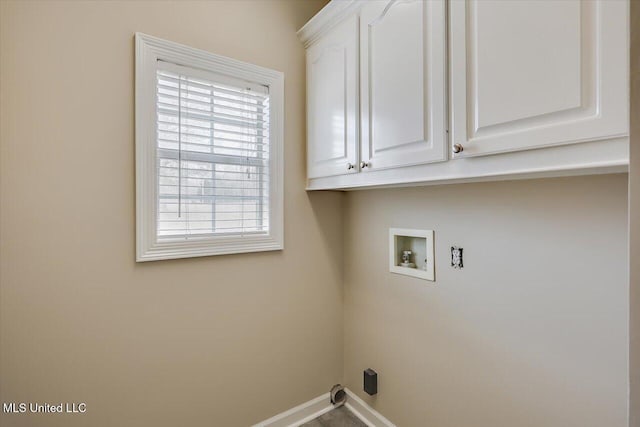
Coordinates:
x,y
212,155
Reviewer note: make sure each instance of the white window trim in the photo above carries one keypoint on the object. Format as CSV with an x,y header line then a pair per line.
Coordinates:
x,y
149,50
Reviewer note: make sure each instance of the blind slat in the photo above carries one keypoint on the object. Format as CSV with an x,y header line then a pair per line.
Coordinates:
x,y
208,230
208,214
192,197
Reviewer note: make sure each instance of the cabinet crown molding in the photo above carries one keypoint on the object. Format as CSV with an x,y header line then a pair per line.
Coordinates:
x,y
330,15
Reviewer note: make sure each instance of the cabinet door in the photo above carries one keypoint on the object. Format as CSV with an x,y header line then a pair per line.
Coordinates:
x,y
529,74
332,103
403,91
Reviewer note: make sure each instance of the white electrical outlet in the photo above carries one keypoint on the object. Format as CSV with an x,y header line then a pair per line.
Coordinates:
x,y
456,257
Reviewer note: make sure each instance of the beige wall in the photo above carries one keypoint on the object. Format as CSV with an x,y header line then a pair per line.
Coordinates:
x,y
532,332
634,216
228,341
218,341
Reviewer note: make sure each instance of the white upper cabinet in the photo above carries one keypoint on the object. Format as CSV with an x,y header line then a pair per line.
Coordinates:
x,y
402,83
332,102
407,92
530,74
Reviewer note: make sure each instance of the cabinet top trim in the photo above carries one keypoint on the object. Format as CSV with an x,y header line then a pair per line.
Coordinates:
x,y
334,12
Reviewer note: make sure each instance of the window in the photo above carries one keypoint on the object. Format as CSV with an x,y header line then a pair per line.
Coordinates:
x,y
208,153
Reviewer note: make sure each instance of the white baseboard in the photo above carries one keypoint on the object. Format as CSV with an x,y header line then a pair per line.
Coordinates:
x,y
307,411
364,412
301,414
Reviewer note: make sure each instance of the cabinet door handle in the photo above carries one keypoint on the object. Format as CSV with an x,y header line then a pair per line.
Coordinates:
x,y
350,166
458,148
364,164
